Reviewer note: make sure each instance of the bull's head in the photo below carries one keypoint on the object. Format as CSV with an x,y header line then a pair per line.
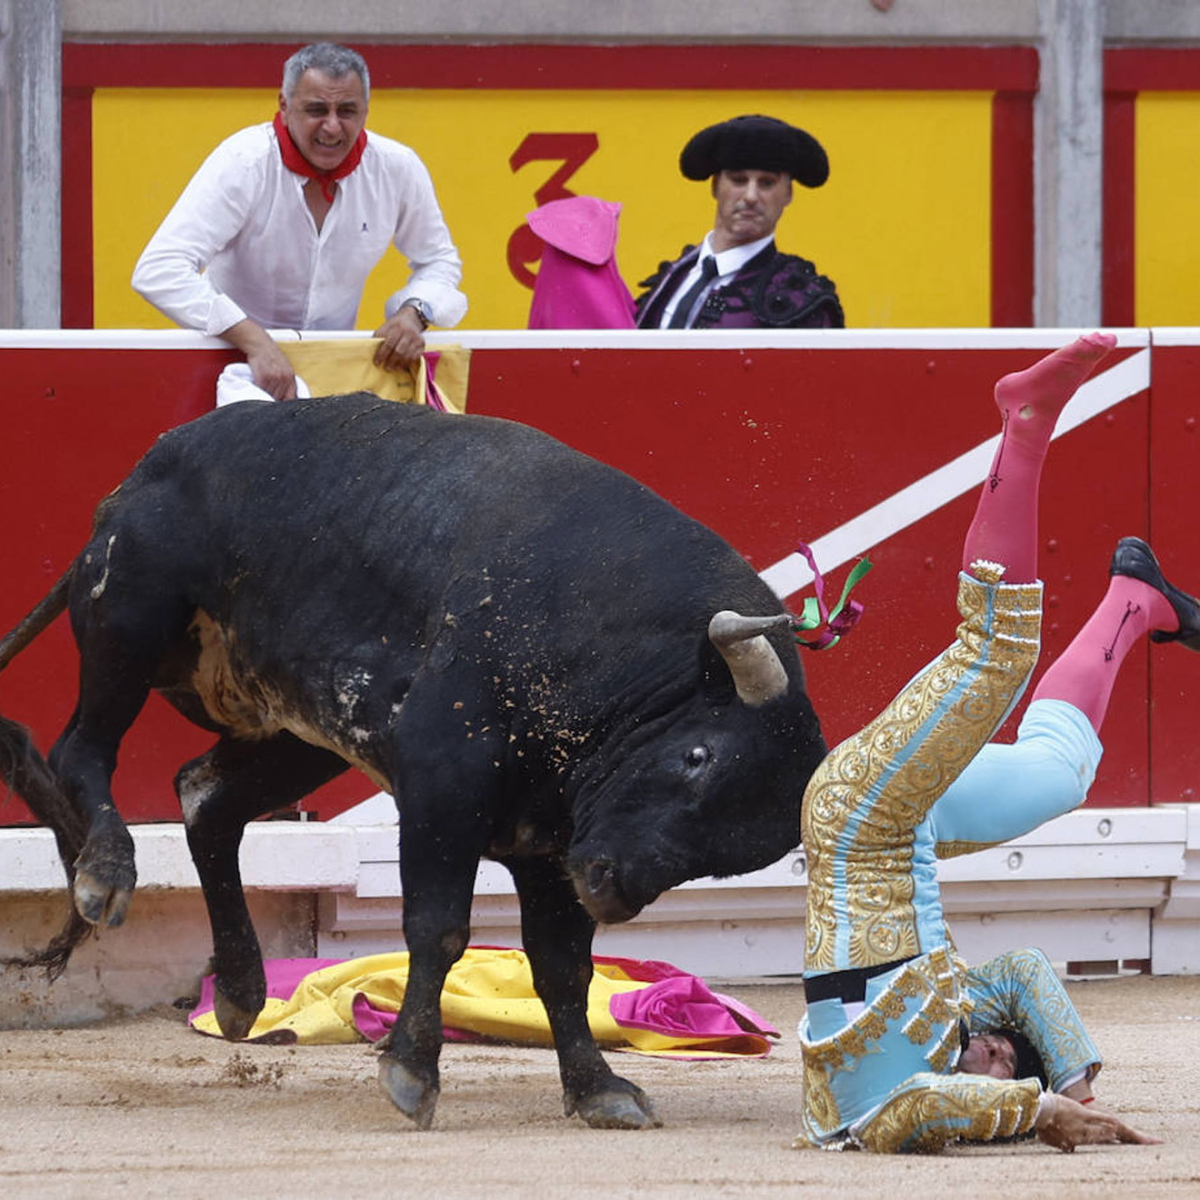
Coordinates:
x,y
711,788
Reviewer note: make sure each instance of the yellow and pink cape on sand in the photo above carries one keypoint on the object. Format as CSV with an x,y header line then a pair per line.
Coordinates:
x,y
642,1007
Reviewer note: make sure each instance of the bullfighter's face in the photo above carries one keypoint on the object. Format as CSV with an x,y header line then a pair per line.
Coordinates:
x,y
749,205
989,1054
325,115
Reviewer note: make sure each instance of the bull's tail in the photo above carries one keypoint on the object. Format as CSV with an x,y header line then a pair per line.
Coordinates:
x,y
26,772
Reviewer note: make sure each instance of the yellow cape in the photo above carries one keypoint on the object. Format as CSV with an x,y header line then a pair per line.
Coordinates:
x,y
333,366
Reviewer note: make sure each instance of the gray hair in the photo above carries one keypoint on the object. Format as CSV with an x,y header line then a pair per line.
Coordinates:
x,y
328,58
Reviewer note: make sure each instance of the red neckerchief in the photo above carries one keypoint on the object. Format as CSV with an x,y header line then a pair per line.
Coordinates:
x,y
295,161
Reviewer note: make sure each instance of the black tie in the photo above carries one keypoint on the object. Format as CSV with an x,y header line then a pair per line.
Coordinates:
x,y
683,310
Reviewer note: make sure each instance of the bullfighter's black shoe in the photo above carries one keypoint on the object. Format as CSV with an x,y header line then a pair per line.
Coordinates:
x,y
1135,559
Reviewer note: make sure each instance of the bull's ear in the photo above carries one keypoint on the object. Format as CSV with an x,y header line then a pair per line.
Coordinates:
x,y
758,675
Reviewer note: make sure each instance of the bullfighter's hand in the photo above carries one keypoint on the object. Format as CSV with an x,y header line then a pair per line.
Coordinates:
x,y
403,341
1065,1124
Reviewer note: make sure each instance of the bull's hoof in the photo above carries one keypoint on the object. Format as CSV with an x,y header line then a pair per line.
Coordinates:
x,y
235,1021
100,903
415,1098
614,1110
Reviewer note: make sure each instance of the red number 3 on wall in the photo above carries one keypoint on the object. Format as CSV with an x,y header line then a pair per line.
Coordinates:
x,y
572,150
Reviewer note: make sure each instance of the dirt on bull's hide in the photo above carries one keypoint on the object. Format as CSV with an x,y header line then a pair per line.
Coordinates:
x,y
146,1107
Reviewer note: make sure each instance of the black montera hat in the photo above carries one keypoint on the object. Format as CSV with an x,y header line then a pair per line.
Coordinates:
x,y
755,143
1029,1062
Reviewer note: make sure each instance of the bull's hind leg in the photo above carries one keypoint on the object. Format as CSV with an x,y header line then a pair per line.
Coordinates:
x,y
103,873
220,792
557,933
122,640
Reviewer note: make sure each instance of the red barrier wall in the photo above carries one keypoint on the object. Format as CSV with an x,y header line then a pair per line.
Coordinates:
x,y
766,444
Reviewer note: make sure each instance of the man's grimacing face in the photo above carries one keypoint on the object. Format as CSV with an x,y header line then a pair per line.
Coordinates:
x,y
989,1054
325,115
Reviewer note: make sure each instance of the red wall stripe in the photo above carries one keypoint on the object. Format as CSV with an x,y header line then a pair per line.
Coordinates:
x,y
1117,297
1152,70
77,245
1008,68
1012,209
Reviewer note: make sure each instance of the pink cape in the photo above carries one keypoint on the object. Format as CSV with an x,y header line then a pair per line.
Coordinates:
x,y
578,285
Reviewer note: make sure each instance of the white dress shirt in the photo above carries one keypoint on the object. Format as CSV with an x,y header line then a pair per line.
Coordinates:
x,y
240,241
729,263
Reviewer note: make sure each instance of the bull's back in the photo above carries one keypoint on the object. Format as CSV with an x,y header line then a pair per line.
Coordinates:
x,y
318,532
410,494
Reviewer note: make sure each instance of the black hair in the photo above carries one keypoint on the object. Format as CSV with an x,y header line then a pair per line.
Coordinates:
x,y
1029,1062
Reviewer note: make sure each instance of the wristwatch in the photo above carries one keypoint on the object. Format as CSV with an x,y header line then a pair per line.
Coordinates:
x,y
422,309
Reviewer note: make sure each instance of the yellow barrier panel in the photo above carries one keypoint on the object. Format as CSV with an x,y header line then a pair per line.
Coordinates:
x,y
903,226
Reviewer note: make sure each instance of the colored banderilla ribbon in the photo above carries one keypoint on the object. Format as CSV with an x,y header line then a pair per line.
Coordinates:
x,y
814,614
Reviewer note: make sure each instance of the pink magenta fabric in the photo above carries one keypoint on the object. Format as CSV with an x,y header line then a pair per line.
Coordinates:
x,y
578,285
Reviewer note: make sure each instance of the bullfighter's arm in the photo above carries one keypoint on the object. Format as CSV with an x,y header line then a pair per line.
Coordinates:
x,y
928,1111
1020,990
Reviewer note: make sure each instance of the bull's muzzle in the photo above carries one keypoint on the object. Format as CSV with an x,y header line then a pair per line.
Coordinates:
x,y
599,892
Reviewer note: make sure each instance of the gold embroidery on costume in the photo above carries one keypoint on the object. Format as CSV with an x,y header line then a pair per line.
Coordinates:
x,y
941,1059
928,1110
929,984
864,801
820,1107
954,849
881,1082
918,1031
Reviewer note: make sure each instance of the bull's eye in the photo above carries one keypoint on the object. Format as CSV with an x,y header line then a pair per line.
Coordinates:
x,y
697,756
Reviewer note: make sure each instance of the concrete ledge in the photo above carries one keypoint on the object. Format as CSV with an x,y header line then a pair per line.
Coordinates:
x,y
276,856
157,957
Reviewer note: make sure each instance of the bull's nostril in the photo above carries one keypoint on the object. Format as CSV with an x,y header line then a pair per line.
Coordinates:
x,y
597,876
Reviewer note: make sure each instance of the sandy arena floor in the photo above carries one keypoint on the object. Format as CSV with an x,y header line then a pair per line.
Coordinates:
x,y
146,1107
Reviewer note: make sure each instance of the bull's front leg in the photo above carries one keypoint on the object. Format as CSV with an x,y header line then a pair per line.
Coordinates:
x,y
557,934
219,793
437,873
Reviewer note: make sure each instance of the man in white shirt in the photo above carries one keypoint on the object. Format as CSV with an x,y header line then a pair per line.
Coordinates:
x,y
737,278
281,225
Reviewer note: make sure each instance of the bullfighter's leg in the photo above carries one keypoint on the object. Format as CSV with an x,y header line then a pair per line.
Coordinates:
x,y
220,792
872,892
557,934
1010,789
1004,528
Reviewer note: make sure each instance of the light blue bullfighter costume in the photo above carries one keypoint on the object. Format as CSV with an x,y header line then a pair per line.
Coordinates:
x,y
889,999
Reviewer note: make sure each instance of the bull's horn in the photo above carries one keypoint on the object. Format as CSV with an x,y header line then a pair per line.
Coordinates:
x,y
757,672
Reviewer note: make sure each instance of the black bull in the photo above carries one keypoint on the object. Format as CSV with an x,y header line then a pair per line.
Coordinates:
x,y
519,643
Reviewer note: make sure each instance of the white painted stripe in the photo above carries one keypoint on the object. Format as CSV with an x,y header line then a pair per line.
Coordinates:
x,y
1175,335
927,495
595,339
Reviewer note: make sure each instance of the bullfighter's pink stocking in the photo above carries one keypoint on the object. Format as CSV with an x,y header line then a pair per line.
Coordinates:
x,y
1005,526
1084,674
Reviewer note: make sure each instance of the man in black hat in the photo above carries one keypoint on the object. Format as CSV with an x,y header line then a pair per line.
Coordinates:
x,y
737,278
